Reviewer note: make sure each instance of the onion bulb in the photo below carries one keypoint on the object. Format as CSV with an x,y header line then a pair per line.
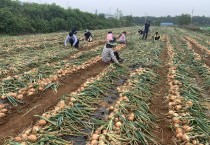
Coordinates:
x,y
24,136
111,108
73,99
95,136
18,139
131,117
176,120
195,142
94,142
170,112
118,124
179,135
35,129
178,107
42,122
187,128
178,130
185,137
32,138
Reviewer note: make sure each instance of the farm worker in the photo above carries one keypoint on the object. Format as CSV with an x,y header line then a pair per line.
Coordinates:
x,y
110,36
122,38
108,55
72,39
88,36
156,37
146,30
73,30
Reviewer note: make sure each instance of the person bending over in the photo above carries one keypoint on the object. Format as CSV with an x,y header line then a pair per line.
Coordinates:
x,y
88,36
110,37
72,39
108,55
122,38
156,37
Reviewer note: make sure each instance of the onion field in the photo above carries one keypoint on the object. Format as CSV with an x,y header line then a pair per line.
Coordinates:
x,y
56,95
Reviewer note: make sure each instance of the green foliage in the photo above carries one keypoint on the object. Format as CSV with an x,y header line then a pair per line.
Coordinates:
x,y
184,19
196,20
21,18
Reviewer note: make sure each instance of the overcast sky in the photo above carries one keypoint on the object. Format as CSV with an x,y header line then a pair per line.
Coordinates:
x,y
137,7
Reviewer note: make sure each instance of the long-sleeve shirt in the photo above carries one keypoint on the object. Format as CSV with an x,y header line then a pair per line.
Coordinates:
x,y
122,38
108,55
74,38
109,37
67,40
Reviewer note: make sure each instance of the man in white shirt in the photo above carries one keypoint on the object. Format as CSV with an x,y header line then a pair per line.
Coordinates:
x,y
72,39
108,55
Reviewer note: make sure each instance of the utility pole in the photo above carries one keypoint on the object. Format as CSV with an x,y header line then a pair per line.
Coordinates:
x,y
192,16
145,17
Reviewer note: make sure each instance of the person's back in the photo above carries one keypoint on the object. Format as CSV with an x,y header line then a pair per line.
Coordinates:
x,y
108,54
156,37
122,38
109,36
87,34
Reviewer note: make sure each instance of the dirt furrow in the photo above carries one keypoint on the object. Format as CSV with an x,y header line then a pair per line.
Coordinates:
x,y
23,115
158,107
205,57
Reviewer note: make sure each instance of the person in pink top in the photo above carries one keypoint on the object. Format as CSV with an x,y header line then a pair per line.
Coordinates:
x,y
122,38
110,36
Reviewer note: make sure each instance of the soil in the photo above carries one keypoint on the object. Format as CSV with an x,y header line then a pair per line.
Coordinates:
x,y
158,107
90,47
21,117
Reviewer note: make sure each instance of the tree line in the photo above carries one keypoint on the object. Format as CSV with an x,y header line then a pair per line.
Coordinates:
x,y
21,18
183,19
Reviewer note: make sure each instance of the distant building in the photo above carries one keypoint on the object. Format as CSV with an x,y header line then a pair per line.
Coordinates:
x,y
166,24
108,16
117,15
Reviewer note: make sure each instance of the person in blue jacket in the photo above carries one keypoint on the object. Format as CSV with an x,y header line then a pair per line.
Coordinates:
x,y
146,30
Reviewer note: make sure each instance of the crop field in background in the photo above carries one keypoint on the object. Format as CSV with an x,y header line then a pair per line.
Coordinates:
x,y
56,95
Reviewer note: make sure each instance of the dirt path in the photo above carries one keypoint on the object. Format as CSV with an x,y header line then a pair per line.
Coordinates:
x,y
23,116
158,107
